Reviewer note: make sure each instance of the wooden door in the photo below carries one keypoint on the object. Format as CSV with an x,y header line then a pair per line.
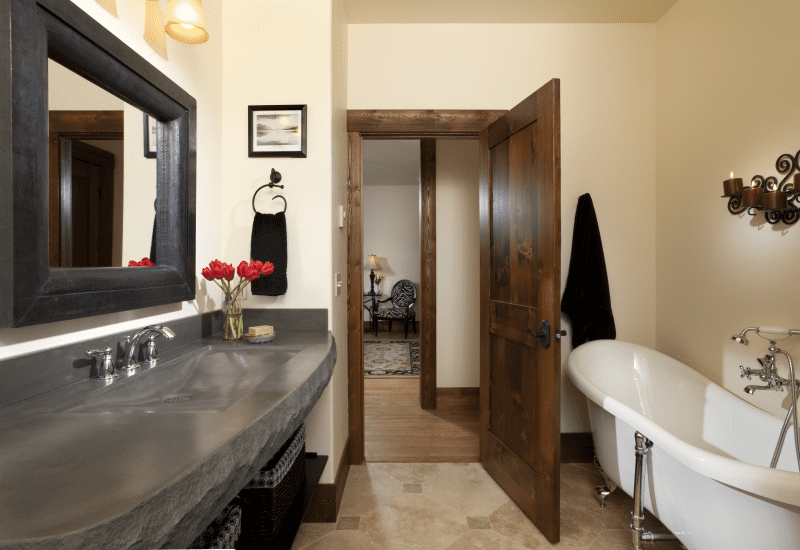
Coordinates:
x,y
520,189
87,187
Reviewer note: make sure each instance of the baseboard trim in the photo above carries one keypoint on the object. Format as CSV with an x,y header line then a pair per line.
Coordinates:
x,y
577,447
327,499
450,393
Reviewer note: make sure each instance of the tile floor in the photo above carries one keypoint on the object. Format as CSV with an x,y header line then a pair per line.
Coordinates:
x,y
459,507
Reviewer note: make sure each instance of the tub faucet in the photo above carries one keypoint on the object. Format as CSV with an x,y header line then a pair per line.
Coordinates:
x,y
769,374
750,390
129,364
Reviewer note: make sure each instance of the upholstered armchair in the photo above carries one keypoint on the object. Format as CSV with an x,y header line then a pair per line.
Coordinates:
x,y
403,298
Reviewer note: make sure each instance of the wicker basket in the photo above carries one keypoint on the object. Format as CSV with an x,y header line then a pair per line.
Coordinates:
x,y
224,530
270,499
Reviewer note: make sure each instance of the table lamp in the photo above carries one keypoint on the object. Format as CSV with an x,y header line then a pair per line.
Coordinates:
x,y
372,265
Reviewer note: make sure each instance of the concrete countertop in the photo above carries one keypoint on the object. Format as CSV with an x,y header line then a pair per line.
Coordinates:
x,y
122,480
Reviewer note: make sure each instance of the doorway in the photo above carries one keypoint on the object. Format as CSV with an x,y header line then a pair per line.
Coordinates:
x,y
426,126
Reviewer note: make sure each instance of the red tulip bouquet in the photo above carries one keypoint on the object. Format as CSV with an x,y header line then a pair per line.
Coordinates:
x,y
222,274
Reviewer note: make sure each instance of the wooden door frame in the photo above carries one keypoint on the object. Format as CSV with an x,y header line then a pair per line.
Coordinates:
x,y
427,126
62,127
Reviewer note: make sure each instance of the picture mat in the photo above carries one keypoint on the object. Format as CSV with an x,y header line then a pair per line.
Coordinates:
x,y
276,131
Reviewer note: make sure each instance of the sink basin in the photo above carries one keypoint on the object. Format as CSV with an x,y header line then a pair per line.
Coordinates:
x,y
207,380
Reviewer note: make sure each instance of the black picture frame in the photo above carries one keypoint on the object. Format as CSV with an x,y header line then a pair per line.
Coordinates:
x,y
150,149
294,146
31,31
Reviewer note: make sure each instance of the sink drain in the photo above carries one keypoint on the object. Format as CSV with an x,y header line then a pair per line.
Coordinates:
x,y
177,398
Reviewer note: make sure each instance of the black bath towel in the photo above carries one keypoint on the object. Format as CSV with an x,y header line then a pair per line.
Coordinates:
x,y
268,244
586,299
153,241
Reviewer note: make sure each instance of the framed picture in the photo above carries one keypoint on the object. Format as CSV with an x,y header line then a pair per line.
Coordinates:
x,y
276,131
150,142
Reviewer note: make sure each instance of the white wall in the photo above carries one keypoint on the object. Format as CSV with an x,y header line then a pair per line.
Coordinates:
x,y
198,70
457,255
727,101
607,128
282,53
391,231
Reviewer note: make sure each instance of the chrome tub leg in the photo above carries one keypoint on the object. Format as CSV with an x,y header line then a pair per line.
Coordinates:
x,y
638,534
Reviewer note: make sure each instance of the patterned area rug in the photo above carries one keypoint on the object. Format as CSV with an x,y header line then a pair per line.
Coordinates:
x,y
391,358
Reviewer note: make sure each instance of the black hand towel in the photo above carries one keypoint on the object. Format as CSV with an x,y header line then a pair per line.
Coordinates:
x,y
587,300
268,244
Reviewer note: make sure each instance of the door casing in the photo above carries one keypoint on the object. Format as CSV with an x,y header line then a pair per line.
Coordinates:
x,y
425,125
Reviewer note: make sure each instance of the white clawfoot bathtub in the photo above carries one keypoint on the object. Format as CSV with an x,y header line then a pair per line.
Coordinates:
x,y
706,477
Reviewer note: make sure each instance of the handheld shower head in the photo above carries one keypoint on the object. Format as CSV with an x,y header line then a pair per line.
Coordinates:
x,y
740,339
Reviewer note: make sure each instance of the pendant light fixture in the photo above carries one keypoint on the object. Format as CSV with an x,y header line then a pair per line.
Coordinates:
x,y
185,21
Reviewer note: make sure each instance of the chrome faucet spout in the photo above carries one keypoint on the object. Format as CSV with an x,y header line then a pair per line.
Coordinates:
x,y
129,363
750,390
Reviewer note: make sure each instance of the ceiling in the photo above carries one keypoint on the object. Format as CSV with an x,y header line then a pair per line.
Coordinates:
x,y
506,11
391,162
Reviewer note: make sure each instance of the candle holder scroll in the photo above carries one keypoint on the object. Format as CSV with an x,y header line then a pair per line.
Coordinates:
x,y
780,201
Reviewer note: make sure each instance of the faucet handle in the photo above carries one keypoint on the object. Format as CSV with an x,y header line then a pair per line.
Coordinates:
x,y
106,370
745,372
150,349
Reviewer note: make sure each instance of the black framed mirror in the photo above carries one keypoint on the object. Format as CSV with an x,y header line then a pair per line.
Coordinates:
x,y
32,292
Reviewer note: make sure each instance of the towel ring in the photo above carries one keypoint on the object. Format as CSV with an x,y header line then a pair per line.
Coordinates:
x,y
273,198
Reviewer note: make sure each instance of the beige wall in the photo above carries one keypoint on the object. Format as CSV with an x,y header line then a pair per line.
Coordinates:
x,y
391,232
338,409
198,70
457,255
727,101
608,95
278,54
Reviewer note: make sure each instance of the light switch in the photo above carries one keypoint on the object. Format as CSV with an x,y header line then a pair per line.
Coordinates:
x,y
338,283
341,216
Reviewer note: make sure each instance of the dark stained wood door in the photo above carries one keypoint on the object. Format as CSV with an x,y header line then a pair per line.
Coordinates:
x,y
520,190
87,205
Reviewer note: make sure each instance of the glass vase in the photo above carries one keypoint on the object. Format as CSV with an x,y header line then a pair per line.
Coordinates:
x,y
232,323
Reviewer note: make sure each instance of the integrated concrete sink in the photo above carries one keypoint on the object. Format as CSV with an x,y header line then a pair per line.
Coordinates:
x,y
210,379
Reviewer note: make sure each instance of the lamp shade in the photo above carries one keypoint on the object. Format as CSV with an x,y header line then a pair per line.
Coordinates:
x,y
185,21
372,262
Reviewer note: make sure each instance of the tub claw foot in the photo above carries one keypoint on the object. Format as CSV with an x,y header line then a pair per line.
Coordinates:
x,y
601,492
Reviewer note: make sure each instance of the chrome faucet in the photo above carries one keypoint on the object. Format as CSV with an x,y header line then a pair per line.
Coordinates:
x,y
769,374
129,364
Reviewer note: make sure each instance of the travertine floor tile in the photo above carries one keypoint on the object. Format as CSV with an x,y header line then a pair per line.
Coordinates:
x,y
466,489
311,532
577,489
367,488
412,488
347,523
484,540
478,523
509,521
344,540
408,472
413,522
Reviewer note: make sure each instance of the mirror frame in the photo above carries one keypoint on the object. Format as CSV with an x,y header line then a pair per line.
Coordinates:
x,y
31,292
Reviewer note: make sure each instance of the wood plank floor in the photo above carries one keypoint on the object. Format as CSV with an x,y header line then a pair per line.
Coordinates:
x,y
398,430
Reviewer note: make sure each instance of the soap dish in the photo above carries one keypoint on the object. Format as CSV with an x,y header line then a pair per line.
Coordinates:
x,y
259,339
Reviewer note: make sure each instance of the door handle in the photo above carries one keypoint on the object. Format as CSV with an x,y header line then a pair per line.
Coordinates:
x,y
544,334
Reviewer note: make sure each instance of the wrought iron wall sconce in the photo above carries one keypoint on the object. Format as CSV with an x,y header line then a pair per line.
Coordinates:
x,y
780,201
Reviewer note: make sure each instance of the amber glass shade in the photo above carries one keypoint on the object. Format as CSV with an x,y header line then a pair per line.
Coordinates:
x,y
185,21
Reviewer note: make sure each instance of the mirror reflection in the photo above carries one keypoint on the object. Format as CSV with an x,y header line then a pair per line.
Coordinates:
x,y
102,175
